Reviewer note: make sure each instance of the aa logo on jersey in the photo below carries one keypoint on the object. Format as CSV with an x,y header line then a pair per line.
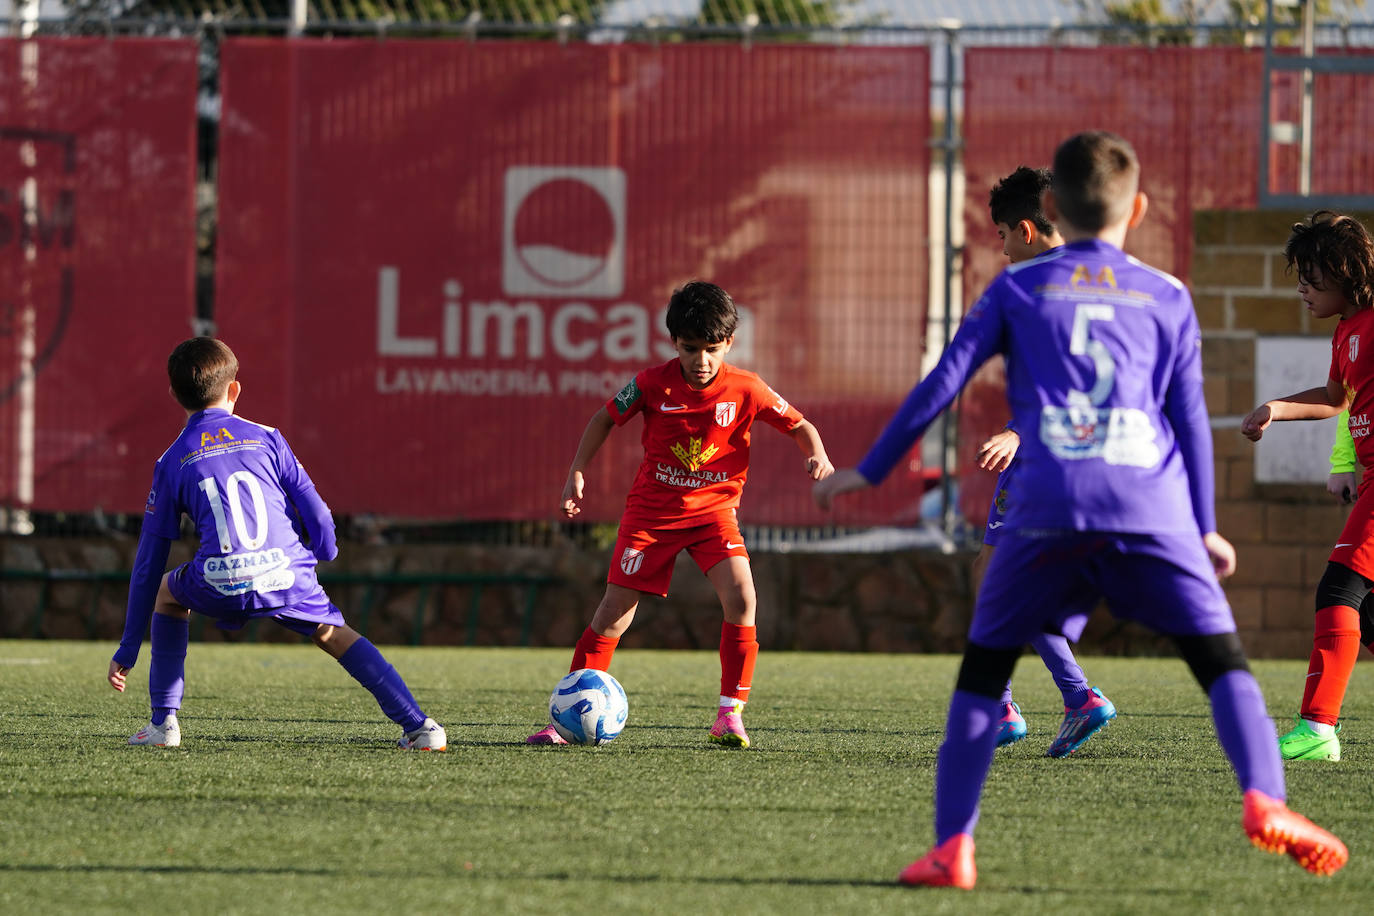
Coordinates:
x,y
725,413
1354,346
564,232
630,561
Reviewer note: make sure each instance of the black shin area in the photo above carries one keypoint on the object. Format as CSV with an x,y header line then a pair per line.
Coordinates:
x,y
985,671
1210,657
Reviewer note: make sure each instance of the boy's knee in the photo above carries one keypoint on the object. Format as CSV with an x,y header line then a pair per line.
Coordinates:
x,y
1210,657
985,672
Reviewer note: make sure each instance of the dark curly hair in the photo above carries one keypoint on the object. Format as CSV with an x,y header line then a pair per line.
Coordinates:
x,y
701,311
1337,246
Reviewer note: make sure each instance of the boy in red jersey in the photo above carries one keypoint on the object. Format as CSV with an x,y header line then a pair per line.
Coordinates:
x,y
698,413
1334,256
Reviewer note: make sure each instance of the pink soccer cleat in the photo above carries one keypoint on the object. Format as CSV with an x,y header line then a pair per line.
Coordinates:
x,y
546,735
729,727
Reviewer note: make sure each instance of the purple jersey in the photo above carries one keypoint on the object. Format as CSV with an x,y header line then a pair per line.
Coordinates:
x,y
1104,380
246,492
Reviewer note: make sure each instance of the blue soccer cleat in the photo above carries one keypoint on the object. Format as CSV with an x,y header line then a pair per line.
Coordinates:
x,y
1012,726
1081,724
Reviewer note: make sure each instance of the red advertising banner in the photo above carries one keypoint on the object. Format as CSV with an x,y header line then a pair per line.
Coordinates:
x,y
97,253
438,259
1193,116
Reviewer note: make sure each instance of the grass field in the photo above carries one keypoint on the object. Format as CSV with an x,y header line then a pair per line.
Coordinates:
x,y
289,796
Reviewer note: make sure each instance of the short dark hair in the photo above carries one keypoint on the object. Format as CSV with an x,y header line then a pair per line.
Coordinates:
x,y
1017,197
1096,176
200,370
702,311
1340,247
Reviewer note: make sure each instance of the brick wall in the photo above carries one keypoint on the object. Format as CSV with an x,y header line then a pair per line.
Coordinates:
x,y
1283,533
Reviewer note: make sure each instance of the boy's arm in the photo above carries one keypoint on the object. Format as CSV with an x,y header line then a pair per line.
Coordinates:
x,y
150,562
808,439
1185,407
1312,404
1341,483
598,428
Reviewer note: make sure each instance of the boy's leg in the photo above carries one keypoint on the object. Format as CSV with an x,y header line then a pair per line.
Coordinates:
x,y
170,632
962,767
361,659
1086,710
739,647
1246,734
1335,649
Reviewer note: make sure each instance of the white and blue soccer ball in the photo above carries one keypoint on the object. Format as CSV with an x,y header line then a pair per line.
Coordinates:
x,y
588,707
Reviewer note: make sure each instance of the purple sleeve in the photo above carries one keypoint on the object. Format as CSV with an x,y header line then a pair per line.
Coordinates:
x,y
1186,408
978,338
314,514
150,562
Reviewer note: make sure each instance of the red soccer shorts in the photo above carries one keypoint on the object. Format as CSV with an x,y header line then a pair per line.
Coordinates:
x,y
1355,547
643,557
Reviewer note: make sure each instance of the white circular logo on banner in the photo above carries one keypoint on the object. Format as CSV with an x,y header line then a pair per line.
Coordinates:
x,y
564,232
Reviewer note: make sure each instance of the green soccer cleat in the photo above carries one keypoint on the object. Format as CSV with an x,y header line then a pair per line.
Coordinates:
x,y
1304,744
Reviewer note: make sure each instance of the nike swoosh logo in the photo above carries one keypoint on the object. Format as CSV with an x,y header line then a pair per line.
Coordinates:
x,y
1343,545
729,546
996,524
669,408
1315,674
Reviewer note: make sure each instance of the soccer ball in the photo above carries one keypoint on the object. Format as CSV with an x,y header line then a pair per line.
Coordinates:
x,y
588,707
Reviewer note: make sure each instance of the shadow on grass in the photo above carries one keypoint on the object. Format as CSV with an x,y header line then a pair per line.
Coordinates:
x,y
556,878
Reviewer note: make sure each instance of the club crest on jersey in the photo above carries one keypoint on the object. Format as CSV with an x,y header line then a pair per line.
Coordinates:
x,y
1354,346
630,561
693,456
725,413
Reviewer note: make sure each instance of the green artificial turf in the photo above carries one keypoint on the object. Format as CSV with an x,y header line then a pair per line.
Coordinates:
x,y
288,794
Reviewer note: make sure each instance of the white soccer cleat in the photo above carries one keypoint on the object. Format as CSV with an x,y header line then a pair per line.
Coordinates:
x,y
428,737
168,734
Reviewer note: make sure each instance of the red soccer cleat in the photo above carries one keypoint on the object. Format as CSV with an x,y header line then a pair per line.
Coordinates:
x,y
948,865
1274,828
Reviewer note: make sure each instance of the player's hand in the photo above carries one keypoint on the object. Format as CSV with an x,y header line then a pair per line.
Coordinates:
x,y
819,467
845,480
997,453
1342,486
1256,422
572,494
117,674
1222,553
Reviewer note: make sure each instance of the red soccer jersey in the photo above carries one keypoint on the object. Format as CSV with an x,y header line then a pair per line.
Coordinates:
x,y
1352,364
696,441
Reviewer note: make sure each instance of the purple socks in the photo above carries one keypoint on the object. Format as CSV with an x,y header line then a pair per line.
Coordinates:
x,y
369,668
167,670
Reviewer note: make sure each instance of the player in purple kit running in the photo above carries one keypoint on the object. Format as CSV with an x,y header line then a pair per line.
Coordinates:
x,y
246,492
1027,233
1104,377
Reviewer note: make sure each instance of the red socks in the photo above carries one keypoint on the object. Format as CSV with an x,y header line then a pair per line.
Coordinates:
x,y
594,651
738,651
1335,647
